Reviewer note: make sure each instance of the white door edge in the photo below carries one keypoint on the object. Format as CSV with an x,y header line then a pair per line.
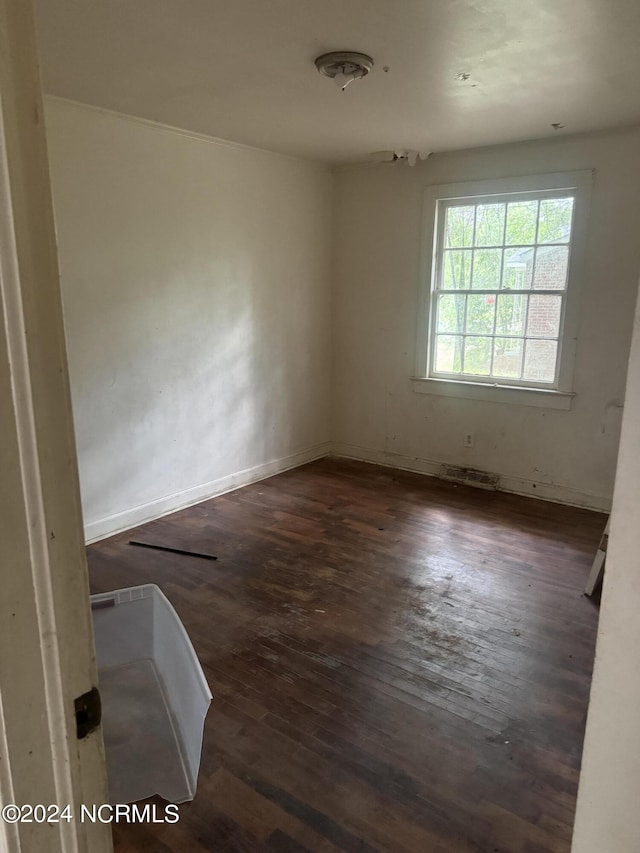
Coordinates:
x,y
46,641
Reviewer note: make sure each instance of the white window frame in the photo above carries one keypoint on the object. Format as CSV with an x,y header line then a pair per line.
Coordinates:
x,y
557,395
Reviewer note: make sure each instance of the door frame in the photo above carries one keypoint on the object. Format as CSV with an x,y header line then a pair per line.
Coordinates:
x,y
47,656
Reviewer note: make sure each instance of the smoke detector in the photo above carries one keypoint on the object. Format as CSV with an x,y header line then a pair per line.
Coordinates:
x,y
344,66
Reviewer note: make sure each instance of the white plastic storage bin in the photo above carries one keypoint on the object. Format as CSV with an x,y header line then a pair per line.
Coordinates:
x,y
154,696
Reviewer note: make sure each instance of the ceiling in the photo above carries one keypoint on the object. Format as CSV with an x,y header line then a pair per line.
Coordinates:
x,y
243,69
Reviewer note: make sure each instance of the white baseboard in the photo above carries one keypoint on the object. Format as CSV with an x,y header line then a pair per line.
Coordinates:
x,y
108,526
133,517
515,485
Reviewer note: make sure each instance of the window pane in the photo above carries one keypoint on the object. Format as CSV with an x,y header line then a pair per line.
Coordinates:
x,y
507,357
451,313
521,222
456,270
555,220
540,361
448,353
544,316
486,268
480,311
458,230
551,267
510,314
477,356
518,268
489,224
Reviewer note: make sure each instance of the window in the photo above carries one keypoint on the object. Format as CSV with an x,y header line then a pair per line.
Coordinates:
x,y
500,308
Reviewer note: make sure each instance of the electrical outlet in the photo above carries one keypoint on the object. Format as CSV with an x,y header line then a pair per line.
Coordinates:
x,y
468,440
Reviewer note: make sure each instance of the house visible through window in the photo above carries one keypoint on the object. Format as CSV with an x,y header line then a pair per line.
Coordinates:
x,y
499,287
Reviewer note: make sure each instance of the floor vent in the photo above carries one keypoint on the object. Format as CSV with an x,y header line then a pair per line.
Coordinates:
x,y
470,477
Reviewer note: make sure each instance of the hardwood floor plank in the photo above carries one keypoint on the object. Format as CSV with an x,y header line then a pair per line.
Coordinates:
x,y
398,663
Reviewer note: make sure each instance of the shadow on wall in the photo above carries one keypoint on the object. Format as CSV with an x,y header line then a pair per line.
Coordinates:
x,y
185,383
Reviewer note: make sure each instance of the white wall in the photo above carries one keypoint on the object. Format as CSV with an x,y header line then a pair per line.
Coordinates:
x,y
196,291
568,455
607,817
197,288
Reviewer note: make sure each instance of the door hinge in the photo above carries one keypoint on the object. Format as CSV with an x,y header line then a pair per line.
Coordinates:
x,y
88,712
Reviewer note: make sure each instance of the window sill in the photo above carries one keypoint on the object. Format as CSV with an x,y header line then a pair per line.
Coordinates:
x,y
547,399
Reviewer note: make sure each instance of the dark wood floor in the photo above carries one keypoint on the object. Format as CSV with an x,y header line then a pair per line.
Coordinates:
x,y
398,664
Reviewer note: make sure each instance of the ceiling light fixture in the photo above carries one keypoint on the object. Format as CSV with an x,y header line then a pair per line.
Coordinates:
x,y
344,66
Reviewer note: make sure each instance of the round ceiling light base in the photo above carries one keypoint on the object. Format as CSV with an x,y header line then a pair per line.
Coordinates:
x,y
347,64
